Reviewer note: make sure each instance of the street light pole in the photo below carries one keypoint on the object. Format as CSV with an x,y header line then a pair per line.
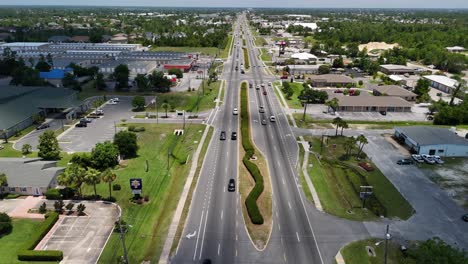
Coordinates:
x,y
387,237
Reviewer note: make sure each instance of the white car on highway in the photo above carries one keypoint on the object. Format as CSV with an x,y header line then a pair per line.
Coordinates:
x,y
235,111
272,119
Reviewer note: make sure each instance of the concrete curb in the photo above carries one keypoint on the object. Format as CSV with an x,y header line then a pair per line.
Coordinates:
x,y
180,206
339,258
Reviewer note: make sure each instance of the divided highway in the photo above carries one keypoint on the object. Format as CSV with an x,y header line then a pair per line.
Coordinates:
x,y
215,227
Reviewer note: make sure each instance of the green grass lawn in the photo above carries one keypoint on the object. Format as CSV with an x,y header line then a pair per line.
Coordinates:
x,y
225,52
23,132
265,56
337,184
356,253
150,221
11,243
260,41
188,100
294,102
246,59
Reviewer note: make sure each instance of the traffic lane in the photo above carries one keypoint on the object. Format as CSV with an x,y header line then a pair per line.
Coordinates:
x,y
83,139
33,137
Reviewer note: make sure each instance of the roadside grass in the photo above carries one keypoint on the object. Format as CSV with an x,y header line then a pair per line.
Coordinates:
x,y
302,179
23,132
210,51
277,92
11,243
225,52
294,102
337,182
313,123
9,152
356,253
149,222
260,41
185,211
188,100
265,56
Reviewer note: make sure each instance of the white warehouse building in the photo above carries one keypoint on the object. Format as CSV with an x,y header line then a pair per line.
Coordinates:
x,y
432,141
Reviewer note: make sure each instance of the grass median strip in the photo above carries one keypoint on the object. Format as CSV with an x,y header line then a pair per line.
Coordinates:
x,y
255,189
246,58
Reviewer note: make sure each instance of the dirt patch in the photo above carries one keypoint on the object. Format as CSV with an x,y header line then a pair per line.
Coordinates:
x,y
258,233
395,144
377,46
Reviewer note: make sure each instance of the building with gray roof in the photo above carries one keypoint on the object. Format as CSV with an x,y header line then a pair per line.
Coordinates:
x,y
432,141
372,104
29,176
394,90
18,104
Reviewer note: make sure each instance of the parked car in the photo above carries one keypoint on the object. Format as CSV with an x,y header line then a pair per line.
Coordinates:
x,y
42,126
116,99
405,162
223,135
232,185
99,112
465,217
428,159
283,77
438,160
81,124
112,102
235,111
417,158
234,135
272,119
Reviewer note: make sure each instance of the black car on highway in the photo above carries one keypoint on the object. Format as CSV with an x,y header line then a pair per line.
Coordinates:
x,y
234,135
232,185
223,135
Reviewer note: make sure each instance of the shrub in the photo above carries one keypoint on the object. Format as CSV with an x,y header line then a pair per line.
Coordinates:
x,y
43,208
116,187
131,128
40,255
26,149
40,232
360,82
53,194
5,224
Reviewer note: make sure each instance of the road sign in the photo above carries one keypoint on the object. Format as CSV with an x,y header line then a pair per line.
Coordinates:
x,y
136,184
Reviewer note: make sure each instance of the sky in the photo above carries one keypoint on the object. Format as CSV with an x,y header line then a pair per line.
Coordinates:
x,y
255,3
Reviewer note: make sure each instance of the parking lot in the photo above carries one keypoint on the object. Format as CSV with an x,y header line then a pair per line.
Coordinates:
x,y
83,139
82,238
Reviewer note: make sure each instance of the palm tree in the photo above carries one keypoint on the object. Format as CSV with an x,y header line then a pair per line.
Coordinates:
x,y
344,124
165,106
74,175
337,121
362,141
333,104
349,145
93,177
108,176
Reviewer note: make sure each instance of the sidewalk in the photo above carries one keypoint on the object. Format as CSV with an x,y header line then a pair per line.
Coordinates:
x,y
21,211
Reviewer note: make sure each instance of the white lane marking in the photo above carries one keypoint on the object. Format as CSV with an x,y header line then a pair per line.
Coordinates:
x,y
236,237
289,204
204,231
219,248
297,235
284,255
236,252
279,227
222,211
198,236
284,183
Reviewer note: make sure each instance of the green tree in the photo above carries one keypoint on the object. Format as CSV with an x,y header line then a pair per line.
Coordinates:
x,y
422,90
26,149
436,251
138,103
73,176
48,146
166,106
80,209
58,206
461,87
3,181
121,73
337,121
42,65
324,69
142,82
362,140
108,176
338,62
5,224
349,145
104,155
69,207
93,177
177,72
333,104
100,83
126,143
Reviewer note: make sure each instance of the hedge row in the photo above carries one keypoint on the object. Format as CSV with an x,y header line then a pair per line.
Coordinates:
x,y
251,200
29,254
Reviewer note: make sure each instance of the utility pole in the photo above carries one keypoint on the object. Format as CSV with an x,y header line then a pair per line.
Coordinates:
x,y
156,106
387,237
305,109
183,127
122,238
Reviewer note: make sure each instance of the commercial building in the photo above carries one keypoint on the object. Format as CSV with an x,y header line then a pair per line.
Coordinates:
x,y
184,65
304,56
442,83
432,141
30,176
19,104
396,69
135,67
455,49
373,104
302,69
394,90
331,80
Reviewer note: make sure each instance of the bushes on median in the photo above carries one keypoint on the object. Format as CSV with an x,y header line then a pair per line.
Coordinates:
x,y
29,254
251,200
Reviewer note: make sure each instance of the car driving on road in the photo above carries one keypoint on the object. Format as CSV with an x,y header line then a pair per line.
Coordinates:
x,y
234,135
261,109
223,135
232,185
272,119
235,111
